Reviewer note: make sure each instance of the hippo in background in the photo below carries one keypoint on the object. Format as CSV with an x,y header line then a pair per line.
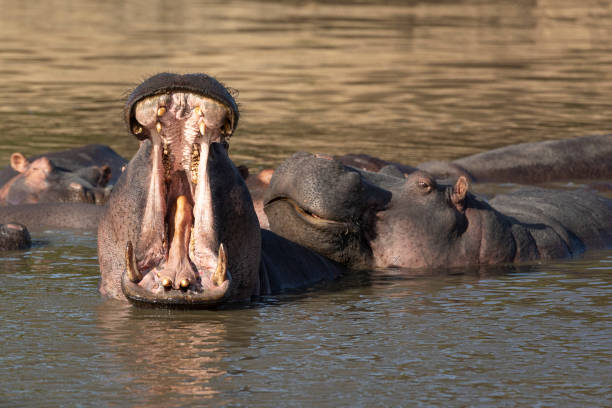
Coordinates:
x,y
377,220
77,175
48,191
42,217
586,158
580,158
180,228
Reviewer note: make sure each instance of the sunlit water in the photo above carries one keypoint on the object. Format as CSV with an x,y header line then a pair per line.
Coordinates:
x,y
407,81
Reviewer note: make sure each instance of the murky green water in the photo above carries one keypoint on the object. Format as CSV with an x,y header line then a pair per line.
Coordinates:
x,y
409,81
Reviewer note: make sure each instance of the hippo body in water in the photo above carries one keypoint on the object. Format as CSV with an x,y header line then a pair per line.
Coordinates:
x,y
363,219
74,175
48,191
580,158
180,227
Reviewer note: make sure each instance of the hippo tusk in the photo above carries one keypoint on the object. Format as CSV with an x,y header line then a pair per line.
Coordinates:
x,y
130,264
220,274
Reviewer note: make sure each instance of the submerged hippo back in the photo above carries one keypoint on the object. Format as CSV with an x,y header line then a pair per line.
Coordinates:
x,y
580,219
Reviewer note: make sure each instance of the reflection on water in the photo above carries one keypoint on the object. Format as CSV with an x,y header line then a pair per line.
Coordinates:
x,y
409,81
406,80
530,334
182,351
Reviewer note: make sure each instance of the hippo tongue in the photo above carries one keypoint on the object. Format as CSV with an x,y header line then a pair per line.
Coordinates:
x,y
178,263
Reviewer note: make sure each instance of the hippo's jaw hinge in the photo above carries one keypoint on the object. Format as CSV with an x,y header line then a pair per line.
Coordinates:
x,y
180,258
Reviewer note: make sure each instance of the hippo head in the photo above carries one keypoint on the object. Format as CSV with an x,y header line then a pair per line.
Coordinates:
x,y
318,202
180,227
14,236
41,181
364,219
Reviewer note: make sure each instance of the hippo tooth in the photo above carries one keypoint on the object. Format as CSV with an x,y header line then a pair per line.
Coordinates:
x,y
158,126
161,110
220,274
191,244
197,110
202,128
167,283
137,130
130,264
195,162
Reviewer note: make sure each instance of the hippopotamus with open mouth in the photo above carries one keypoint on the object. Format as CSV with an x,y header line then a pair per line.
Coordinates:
x,y
365,219
179,227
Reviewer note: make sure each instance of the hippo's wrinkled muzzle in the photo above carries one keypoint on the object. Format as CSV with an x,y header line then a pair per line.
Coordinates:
x,y
178,258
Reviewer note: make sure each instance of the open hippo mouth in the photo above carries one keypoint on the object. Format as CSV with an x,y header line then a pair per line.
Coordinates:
x,y
178,256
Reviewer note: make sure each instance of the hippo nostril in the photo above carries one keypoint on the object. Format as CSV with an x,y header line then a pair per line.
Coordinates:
x,y
167,283
75,186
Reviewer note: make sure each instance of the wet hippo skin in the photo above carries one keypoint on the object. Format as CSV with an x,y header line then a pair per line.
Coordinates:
x,y
365,219
180,228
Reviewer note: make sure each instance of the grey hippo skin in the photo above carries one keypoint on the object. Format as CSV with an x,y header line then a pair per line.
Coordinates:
x,y
41,217
53,216
364,219
587,157
179,228
82,174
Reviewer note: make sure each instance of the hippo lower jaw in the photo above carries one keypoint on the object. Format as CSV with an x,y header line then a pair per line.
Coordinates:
x,y
289,219
194,295
205,290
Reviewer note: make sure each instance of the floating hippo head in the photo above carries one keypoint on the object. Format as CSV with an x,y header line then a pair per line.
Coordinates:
x,y
41,181
180,228
364,219
14,236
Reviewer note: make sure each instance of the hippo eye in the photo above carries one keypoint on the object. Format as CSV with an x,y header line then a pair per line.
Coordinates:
x,y
424,185
227,128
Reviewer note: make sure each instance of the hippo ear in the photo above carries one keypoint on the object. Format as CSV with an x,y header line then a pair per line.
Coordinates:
x,y
265,176
18,162
244,171
106,174
459,193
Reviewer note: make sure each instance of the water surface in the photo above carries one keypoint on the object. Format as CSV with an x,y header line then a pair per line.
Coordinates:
x,y
408,81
